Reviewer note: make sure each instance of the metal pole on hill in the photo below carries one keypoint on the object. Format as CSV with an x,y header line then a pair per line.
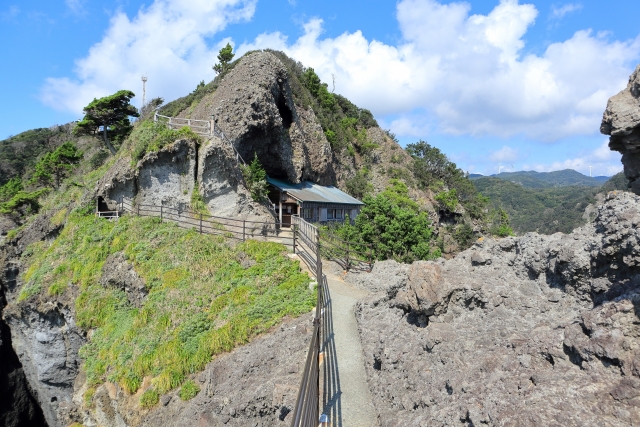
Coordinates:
x,y
144,90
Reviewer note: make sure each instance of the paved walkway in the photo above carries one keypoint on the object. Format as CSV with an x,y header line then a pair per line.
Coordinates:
x,y
347,399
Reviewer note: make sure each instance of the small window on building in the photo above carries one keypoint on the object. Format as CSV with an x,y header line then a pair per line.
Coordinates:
x,y
338,213
330,213
307,213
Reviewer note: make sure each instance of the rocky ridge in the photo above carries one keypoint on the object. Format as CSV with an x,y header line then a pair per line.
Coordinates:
x,y
536,330
621,120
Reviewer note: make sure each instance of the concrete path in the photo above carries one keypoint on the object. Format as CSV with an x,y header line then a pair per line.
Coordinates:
x,y
347,399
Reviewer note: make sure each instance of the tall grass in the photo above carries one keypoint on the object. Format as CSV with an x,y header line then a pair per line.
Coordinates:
x,y
201,301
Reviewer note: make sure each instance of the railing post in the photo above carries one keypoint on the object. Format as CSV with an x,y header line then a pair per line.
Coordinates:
x,y
244,227
200,223
347,258
318,259
294,238
160,212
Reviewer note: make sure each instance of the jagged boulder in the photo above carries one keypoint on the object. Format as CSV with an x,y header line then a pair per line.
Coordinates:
x,y
621,120
529,331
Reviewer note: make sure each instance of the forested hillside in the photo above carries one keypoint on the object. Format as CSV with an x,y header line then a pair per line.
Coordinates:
x,y
546,210
533,179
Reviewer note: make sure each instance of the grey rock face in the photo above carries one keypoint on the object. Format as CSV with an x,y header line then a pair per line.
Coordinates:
x,y
254,107
166,177
621,120
221,182
547,333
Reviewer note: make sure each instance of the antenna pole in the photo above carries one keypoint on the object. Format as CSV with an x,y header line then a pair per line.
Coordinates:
x,y
144,90
590,171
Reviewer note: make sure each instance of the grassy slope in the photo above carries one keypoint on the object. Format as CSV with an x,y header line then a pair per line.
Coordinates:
x,y
201,301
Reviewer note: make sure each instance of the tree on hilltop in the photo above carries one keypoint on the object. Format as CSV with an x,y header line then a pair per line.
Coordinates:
x,y
112,114
224,56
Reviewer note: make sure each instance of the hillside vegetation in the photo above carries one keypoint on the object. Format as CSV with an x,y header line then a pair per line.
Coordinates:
x,y
546,210
562,178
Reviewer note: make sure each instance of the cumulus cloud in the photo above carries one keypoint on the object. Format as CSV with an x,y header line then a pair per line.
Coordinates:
x,y
167,41
468,73
602,160
452,72
558,12
505,154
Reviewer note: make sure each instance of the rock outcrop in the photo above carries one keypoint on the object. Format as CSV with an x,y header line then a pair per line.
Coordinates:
x,y
255,109
530,331
621,120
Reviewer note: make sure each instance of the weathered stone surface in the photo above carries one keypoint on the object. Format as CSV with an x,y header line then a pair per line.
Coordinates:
x,y
119,273
546,334
255,109
621,120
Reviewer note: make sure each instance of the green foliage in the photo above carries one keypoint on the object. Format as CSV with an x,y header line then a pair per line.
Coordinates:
x,y
201,301
256,179
56,165
448,200
463,235
19,153
562,178
432,169
393,225
616,182
112,114
197,203
545,210
189,390
98,158
23,200
149,398
224,56
500,226
359,186
152,136
10,189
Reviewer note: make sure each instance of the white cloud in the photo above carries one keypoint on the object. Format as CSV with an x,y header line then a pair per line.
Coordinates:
x,y
10,13
452,72
166,41
76,6
505,154
467,72
558,12
602,160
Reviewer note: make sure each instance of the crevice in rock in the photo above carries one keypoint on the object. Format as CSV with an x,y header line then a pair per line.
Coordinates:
x,y
377,363
18,406
417,319
285,112
574,356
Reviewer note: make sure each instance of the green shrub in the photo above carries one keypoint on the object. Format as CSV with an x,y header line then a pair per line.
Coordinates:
x,y
393,225
359,186
98,158
256,179
448,200
189,390
152,136
149,398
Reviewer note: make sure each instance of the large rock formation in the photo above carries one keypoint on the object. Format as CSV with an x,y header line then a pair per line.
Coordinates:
x,y
255,109
621,120
530,331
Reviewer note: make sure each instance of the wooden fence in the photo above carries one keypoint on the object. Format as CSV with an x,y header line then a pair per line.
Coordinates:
x,y
239,229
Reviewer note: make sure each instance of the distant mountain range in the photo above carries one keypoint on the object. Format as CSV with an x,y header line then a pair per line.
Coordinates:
x,y
533,179
545,202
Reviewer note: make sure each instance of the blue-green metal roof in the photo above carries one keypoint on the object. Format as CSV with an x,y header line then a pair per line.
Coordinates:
x,y
310,192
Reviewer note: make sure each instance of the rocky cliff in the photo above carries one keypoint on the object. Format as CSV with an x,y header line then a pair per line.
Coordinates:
x,y
529,331
621,120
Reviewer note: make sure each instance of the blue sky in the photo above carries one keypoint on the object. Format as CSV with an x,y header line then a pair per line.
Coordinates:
x,y
492,83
